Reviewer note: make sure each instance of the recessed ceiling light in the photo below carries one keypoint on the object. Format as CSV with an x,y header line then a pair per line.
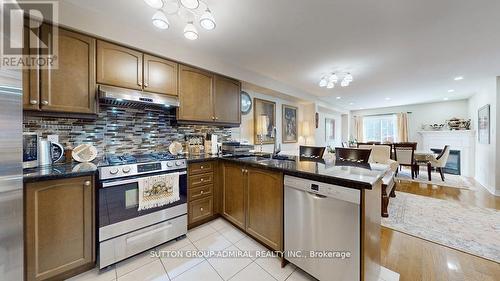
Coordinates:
x,y
387,98
446,99
339,98
458,78
451,91
361,108
351,103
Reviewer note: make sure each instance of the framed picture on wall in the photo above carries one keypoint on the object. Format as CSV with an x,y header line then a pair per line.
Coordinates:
x,y
264,120
289,124
483,124
329,130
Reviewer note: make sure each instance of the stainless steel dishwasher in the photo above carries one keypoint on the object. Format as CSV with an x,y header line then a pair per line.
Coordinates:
x,y
324,219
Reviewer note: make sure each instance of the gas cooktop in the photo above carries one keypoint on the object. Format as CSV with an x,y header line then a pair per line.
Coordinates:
x,y
113,159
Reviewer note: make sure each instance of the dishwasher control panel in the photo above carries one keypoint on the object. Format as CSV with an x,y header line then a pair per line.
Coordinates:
x,y
325,189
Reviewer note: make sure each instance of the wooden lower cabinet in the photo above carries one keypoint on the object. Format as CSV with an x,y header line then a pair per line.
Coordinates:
x,y
264,212
59,228
233,194
201,185
253,200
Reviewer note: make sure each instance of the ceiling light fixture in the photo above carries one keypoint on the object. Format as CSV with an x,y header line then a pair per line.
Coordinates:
x,y
207,20
446,99
387,98
330,80
189,11
339,98
190,4
190,31
458,78
160,20
156,4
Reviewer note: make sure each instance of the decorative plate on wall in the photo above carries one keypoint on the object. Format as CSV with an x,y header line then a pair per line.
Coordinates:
x,y
246,102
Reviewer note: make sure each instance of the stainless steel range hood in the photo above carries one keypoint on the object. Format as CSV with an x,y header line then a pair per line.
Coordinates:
x,y
134,98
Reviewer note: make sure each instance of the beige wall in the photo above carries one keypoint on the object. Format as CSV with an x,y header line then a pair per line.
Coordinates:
x,y
245,132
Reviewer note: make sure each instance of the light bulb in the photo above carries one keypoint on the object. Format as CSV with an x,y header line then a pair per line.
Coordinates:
x,y
190,4
323,82
333,78
160,20
157,4
348,77
330,85
190,31
207,20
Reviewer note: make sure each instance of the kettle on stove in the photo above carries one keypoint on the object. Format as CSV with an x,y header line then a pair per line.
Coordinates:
x,y
50,152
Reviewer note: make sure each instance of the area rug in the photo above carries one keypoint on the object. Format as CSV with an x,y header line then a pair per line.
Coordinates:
x,y
469,229
455,181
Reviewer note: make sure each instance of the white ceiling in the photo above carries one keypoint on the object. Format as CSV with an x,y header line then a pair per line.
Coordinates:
x,y
405,50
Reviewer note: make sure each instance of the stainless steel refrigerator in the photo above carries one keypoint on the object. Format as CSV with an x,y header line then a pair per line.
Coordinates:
x,y
11,176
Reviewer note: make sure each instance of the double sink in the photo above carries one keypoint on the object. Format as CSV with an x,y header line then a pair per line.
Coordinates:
x,y
266,160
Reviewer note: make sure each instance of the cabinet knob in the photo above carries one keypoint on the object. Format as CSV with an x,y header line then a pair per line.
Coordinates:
x,y
201,192
146,85
213,117
201,167
216,118
201,180
139,83
33,102
44,102
86,183
201,209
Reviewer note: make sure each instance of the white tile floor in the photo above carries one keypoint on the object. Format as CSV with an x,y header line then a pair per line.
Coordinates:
x,y
215,235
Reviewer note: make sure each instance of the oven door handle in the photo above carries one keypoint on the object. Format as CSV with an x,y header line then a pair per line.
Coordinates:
x,y
113,183
141,236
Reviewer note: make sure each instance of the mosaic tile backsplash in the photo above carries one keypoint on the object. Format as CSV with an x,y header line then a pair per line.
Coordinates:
x,y
121,130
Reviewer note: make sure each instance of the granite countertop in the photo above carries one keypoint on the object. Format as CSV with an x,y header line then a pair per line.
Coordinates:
x,y
339,173
59,170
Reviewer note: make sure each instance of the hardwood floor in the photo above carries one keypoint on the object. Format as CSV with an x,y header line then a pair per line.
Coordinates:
x,y
417,259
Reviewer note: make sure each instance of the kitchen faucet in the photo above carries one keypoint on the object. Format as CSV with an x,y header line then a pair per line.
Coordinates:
x,y
277,146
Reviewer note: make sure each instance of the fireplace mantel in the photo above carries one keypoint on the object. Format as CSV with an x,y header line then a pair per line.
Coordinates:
x,y
462,140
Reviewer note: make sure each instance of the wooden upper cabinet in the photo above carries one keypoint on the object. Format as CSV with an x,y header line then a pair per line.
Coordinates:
x,y
31,82
160,75
71,86
227,100
233,194
59,228
264,214
195,94
118,66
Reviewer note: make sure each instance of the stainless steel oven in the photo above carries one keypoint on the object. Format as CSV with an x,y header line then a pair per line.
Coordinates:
x,y
123,230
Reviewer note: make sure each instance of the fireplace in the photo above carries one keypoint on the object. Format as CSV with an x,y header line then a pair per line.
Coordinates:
x,y
453,163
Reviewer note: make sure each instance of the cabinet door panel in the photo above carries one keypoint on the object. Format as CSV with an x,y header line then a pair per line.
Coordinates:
x,y
265,207
31,82
227,100
118,66
233,194
160,75
195,94
70,87
59,227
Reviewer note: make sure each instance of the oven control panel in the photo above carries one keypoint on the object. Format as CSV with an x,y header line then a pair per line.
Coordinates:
x,y
111,172
150,167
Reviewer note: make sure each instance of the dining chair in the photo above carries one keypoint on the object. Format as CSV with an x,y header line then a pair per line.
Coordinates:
x,y
313,152
404,154
381,153
356,155
437,162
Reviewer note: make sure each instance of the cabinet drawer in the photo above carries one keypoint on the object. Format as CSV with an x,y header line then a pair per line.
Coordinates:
x,y
199,180
200,168
200,209
200,192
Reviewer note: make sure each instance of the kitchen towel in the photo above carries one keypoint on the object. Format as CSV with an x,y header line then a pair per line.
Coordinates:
x,y
157,191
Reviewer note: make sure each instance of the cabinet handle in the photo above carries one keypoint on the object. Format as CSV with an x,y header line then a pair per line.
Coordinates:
x,y
86,183
44,102
33,102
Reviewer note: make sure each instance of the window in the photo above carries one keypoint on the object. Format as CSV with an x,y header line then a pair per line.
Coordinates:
x,y
380,128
